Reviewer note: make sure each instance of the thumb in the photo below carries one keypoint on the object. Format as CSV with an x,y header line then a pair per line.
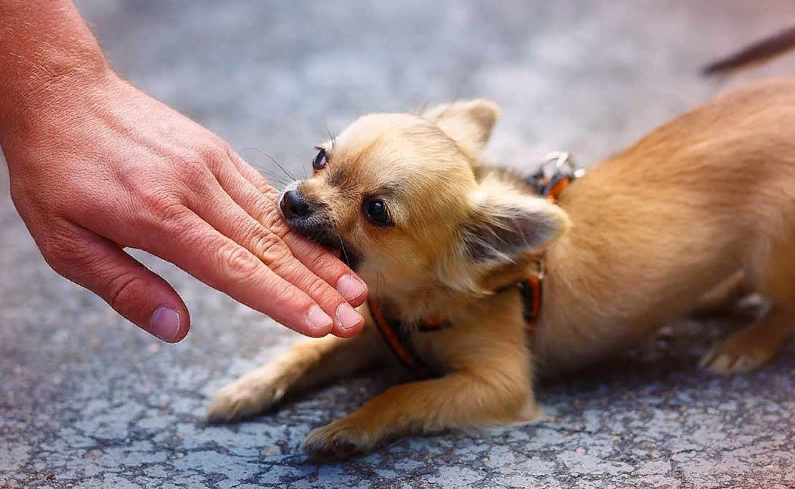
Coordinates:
x,y
131,289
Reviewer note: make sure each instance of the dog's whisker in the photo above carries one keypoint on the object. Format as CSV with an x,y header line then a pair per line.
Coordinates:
x,y
277,181
292,177
344,255
302,165
332,137
265,171
273,176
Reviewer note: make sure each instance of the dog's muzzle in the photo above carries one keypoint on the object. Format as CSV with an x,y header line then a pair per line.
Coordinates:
x,y
306,219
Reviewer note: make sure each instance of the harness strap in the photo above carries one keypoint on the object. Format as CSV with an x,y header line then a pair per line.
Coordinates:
x,y
398,338
398,341
530,289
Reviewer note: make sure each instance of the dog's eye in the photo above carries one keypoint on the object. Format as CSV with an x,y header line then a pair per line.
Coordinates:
x,y
320,160
377,212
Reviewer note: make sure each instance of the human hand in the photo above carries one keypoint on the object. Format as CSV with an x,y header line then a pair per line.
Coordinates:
x,y
97,166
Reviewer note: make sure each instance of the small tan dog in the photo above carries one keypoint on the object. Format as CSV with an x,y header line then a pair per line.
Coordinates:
x,y
700,211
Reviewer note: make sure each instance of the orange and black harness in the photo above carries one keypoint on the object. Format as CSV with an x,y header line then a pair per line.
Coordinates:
x,y
398,338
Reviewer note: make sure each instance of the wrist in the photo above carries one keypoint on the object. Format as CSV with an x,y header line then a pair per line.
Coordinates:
x,y
50,98
49,56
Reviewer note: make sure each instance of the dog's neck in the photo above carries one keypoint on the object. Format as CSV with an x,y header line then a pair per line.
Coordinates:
x,y
413,304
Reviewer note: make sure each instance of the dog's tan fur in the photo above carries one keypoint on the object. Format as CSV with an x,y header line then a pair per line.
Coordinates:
x,y
699,209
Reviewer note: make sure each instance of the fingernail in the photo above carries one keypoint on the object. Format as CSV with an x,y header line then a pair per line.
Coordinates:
x,y
350,287
164,323
347,316
319,320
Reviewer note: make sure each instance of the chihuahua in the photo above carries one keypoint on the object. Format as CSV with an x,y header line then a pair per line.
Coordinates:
x,y
699,212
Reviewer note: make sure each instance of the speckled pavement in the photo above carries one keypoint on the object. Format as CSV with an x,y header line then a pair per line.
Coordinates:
x,y
88,401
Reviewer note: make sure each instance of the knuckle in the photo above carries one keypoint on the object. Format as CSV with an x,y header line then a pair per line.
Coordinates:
x,y
271,217
56,258
254,175
214,156
320,259
62,251
284,293
318,288
195,173
237,263
172,212
163,204
269,191
230,153
270,249
125,291
154,197
264,187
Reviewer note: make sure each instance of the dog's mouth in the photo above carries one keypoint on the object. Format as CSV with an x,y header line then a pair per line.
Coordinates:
x,y
323,233
347,253
350,257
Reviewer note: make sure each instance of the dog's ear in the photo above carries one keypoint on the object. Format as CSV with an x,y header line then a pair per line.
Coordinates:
x,y
468,123
507,224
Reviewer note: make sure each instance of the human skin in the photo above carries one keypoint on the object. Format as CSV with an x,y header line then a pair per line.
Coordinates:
x,y
97,166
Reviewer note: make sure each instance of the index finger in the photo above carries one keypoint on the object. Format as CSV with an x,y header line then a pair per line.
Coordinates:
x,y
196,247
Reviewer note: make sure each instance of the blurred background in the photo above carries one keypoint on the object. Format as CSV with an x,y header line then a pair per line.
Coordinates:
x,y
584,76
87,400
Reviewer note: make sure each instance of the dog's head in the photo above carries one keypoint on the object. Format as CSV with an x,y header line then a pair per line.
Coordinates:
x,y
404,199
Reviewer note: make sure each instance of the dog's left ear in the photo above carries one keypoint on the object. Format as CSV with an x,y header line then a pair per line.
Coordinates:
x,y
507,224
468,123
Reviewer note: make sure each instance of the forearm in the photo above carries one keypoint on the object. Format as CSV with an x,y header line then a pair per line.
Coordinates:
x,y
46,46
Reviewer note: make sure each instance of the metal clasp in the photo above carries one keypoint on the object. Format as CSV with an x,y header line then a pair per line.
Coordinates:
x,y
563,163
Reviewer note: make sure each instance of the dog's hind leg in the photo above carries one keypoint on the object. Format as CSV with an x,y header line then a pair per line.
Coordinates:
x,y
774,277
723,298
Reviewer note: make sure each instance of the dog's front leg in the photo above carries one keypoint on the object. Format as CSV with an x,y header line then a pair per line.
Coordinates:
x,y
493,393
306,364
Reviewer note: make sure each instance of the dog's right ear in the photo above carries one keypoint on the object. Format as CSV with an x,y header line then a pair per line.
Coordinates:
x,y
506,224
468,123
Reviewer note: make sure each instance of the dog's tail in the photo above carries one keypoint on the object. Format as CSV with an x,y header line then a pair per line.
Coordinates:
x,y
753,54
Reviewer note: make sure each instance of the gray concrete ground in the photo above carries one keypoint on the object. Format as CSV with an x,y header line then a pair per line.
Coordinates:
x,y
87,400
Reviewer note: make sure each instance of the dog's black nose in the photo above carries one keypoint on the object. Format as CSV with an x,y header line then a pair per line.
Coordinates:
x,y
294,205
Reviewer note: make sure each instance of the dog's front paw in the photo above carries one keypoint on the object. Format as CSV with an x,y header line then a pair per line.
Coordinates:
x,y
245,397
339,440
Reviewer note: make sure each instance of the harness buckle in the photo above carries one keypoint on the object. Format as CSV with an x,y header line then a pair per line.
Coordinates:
x,y
556,167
